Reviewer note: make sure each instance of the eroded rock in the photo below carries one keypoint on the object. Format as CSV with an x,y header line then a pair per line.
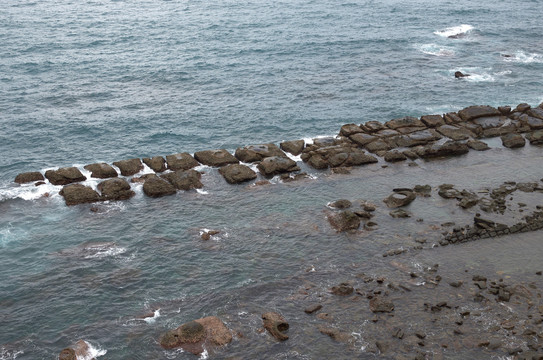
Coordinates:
x,y
101,170
215,158
156,163
64,176
157,187
115,189
275,165
75,194
295,147
184,179
400,198
477,111
276,325
129,167
237,173
344,221
27,177
253,153
181,161
513,141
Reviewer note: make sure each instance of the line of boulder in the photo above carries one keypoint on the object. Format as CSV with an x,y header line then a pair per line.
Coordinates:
x,y
399,139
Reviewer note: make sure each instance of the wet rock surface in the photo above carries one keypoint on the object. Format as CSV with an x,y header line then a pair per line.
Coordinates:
x,y
64,176
27,177
76,194
156,163
276,325
275,165
215,158
184,179
155,187
237,173
101,170
253,153
115,189
129,167
180,161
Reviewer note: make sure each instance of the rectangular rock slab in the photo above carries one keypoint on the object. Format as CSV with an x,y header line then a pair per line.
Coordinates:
x,y
237,173
372,126
489,122
532,122
418,138
253,153
181,161
452,118
432,120
536,112
215,158
101,170
362,139
455,133
477,111
295,147
64,176
407,121
277,165
27,177
350,129
129,167
156,163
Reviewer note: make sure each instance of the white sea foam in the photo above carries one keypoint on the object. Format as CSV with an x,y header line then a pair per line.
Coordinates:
x,y
455,31
204,355
524,58
93,352
203,192
102,250
6,354
152,319
435,50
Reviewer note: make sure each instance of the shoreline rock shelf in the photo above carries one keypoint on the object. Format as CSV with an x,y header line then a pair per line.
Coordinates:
x,y
431,136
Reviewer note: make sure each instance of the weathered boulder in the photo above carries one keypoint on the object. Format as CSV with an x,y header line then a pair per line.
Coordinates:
x,y
513,141
535,138
422,137
253,153
477,145
523,107
407,121
27,177
372,126
350,129
276,325
237,173
343,289
399,214
275,165
327,141
454,132
532,122
504,110
536,112
67,354
362,138
380,304
378,145
101,170
459,75
432,120
181,161
184,179
489,122
215,158
394,156
129,167
157,187
156,163
75,194
64,176
452,118
402,197
340,204
449,148
345,220
295,147
506,128
477,111
216,331
115,189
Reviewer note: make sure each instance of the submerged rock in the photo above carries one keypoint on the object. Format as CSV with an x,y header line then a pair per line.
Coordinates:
x,y
129,167
27,177
80,350
197,334
379,304
75,194
342,289
400,198
276,325
237,173
101,170
215,158
64,176
340,204
345,220
157,187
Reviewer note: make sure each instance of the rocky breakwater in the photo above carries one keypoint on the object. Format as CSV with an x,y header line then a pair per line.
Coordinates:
x,y
397,140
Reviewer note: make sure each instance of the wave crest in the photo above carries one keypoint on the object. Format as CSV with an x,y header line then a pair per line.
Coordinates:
x,y
455,32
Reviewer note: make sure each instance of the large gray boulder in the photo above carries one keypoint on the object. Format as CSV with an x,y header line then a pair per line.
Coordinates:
x,y
350,129
535,138
295,147
237,173
115,189
157,187
477,111
277,165
513,141
156,163
101,170
64,176
184,179
181,161
129,167
215,158
27,177
75,194
253,153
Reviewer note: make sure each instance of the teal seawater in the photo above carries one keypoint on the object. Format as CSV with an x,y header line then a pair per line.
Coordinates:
x,y
86,81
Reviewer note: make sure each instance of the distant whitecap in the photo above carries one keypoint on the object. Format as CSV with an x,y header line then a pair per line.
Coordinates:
x,y
436,50
455,32
524,58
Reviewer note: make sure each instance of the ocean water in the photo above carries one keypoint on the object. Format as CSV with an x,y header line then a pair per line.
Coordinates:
x,y
105,80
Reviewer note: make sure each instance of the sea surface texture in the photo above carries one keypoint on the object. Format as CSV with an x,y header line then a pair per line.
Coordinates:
x,y
106,80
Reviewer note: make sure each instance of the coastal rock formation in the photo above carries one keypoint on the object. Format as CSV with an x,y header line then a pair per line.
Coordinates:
x,y
276,325
345,220
253,153
449,148
399,198
181,161
196,335
237,173
394,156
477,145
115,189
64,176
75,194
129,167
275,165
459,75
80,350
350,129
295,147
101,170
27,177
156,163
339,155
477,111
215,158
535,138
380,304
157,187
513,141
432,121
184,179
455,132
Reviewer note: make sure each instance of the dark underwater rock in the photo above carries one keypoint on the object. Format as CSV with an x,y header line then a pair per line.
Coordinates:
x,y
276,325
345,220
101,170
400,198
64,176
